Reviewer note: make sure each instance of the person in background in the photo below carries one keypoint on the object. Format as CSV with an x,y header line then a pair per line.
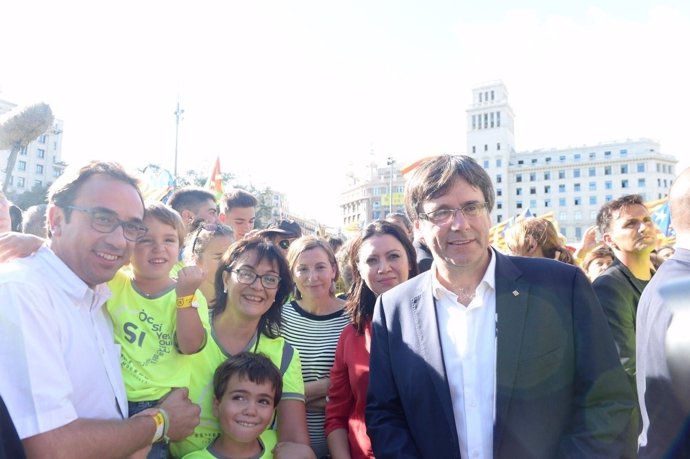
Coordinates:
x,y
238,211
34,221
312,322
597,261
204,247
381,257
282,233
194,204
627,228
335,242
246,390
487,355
537,237
342,256
251,285
665,422
400,219
660,255
61,367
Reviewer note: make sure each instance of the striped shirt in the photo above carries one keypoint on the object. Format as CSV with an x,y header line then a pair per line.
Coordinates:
x,y
316,338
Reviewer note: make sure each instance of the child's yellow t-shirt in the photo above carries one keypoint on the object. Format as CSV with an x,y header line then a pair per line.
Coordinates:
x,y
268,440
145,330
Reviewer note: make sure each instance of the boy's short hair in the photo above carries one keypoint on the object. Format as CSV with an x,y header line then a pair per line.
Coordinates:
x,y
168,216
237,198
190,198
255,367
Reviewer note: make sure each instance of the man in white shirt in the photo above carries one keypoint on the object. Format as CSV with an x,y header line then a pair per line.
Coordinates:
x,y
487,355
60,365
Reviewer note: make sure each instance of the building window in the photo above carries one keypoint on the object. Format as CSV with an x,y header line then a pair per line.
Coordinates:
x,y
532,176
499,192
20,182
547,175
577,200
499,218
518,191
624,153
520,162
592,200
491,117
640,167
498,178
481,95
518,205
499,162
577,215
641,183
474,149
561,174
518,178
486,164
547,189
592,171
39,168
593,155
533,203
474,122
534,160
561,158
492,95
40,153
42,139
561,202
499,205
608,197
576,173
576,187
486,120
563,216
607,154
592,186
486,147
547,160
624,168
658,167
577,156
22,152
38,183
578,233
21,165
498,146
561,188
533,190
607,170
624,183
498,119
547,202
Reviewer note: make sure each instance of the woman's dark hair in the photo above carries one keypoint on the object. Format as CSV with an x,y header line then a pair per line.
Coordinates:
x,y
361,300
269,324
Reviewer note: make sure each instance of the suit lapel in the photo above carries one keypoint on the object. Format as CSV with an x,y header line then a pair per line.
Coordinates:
x,y
424,311
512,296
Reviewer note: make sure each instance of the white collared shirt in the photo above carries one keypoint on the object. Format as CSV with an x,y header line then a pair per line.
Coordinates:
x,y
468,342
58,357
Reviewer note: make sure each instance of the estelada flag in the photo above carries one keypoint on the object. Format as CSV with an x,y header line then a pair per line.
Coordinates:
x,y
214,182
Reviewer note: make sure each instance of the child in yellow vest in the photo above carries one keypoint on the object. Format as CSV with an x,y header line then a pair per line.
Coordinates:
x,y
157,319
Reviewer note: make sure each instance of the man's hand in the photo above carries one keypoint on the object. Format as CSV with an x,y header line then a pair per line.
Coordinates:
x,y
18,245
183,414
189,279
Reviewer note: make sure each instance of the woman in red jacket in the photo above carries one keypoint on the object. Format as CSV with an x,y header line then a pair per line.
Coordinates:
x,y
381,257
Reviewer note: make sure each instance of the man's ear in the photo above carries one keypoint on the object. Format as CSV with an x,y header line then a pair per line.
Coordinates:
x,y
221,217
187,216
608,240
56,219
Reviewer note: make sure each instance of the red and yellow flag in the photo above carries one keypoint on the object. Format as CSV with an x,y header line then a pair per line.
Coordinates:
x,y
214,183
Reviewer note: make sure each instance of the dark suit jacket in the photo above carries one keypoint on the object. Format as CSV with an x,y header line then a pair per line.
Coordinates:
x,y
560,389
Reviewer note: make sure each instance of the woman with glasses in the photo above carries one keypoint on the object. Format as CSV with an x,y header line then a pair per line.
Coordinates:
x,y
251,285
204,247
312,323
380,257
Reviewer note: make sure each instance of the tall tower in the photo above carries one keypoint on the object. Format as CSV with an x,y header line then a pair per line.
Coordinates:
x,y
491,138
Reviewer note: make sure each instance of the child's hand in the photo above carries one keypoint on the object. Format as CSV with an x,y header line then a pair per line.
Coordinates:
x,y
189,279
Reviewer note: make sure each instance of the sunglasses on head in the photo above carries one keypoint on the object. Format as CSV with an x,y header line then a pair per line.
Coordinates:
x,y
212,227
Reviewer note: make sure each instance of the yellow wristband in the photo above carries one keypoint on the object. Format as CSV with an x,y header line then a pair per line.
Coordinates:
x,y
185,301
159,419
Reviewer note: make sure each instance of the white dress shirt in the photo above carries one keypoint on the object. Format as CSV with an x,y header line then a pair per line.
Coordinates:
x,y
58,357
468,342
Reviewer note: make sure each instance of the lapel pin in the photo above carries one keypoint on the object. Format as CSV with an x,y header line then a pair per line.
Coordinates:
x,y
515,293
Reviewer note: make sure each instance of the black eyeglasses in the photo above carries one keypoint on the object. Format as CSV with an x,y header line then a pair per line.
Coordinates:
x,y
247,277
212,227
106,221
443,216
284,244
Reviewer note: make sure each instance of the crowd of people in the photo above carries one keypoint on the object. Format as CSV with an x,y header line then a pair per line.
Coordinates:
x,y
177,329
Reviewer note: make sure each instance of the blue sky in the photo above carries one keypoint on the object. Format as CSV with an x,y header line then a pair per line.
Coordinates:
x,y
291,93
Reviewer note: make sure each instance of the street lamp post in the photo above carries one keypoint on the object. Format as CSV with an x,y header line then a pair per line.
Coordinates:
x,y
390,163
178,117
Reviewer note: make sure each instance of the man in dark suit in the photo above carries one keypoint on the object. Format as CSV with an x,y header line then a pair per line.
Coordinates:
x,y
487,355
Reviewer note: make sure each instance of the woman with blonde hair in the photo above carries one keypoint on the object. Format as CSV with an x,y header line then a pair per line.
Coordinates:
x,y
537,237
312,323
